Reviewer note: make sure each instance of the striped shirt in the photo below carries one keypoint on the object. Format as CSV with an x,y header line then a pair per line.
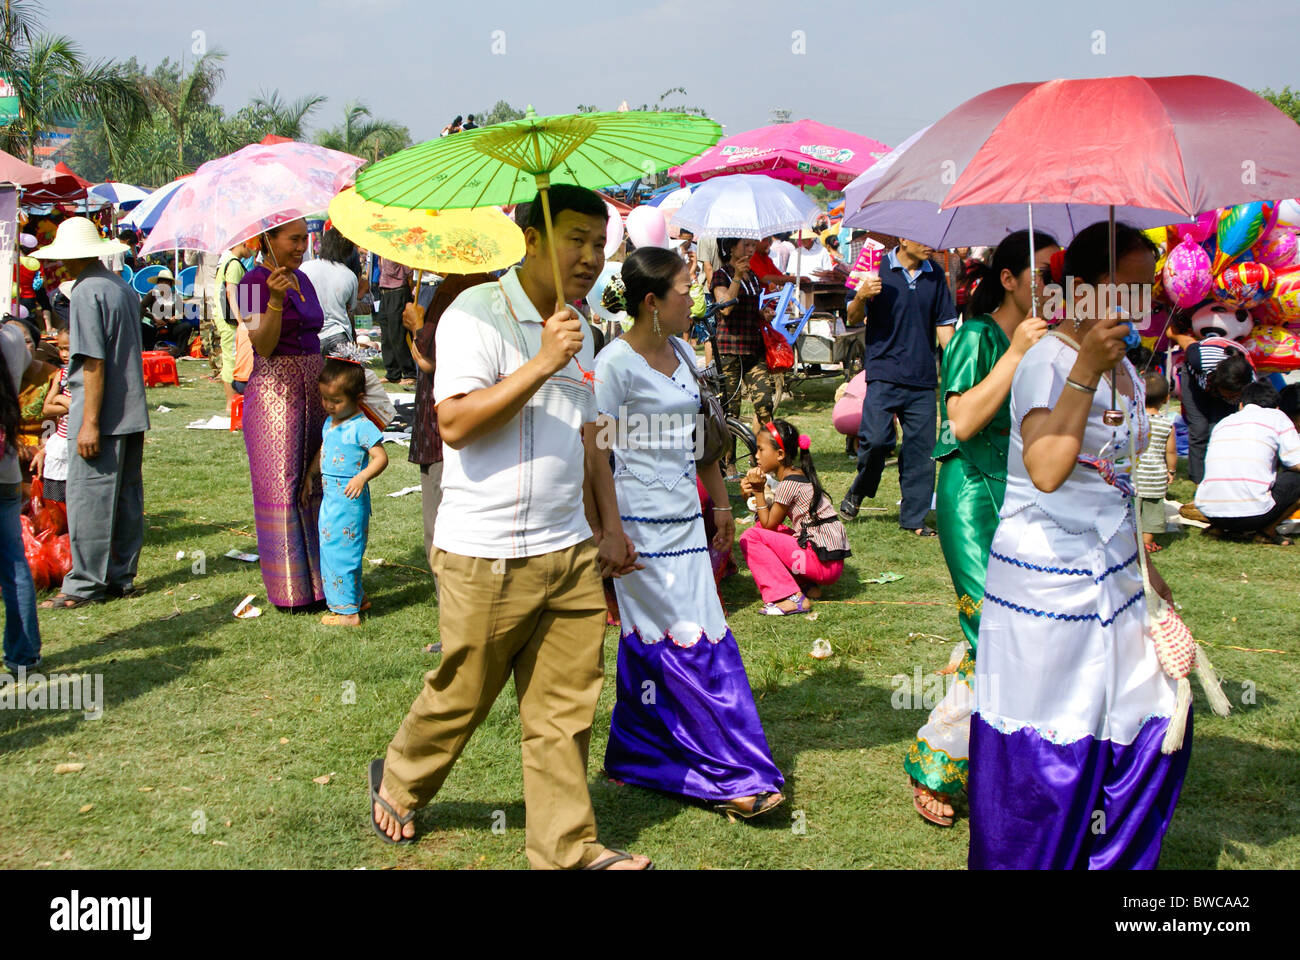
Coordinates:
x,y
1241,462
823,531
1152,474
61,428
1203,356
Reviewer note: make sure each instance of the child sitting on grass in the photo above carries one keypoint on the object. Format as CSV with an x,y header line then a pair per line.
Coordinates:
x,y
1244,494
347,438
1158,464
792,564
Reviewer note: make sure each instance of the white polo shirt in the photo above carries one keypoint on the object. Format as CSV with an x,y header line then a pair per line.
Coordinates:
x,y
1241,462
515,492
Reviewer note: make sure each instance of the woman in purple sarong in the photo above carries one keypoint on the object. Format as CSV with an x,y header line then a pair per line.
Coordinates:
x,y
283,415
685,720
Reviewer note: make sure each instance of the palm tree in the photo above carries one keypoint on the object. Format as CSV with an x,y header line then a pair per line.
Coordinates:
x,y
55,87
275,116
193,91
360,133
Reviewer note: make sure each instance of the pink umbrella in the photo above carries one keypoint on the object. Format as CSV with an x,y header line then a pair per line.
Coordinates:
x,y
236,197
803,153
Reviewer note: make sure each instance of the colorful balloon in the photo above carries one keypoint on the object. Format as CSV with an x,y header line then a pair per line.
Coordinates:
x,y
1284,305
1200,229
1288,214
1244,285
1273,348
646,227
1218,320
1277,248
1186,275
1240,228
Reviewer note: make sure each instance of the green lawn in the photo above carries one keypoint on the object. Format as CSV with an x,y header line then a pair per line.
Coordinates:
x,y
214,729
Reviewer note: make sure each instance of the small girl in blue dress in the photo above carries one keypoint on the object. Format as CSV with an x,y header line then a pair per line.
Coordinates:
x,y
348,441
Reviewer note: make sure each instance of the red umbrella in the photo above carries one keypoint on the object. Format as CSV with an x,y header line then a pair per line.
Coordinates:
x,y
40,184
1180,144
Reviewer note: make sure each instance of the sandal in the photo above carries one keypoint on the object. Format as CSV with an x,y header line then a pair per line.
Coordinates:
x,y
1152,547
1276,539
802,605
922,531
66,601
618,857
376,779
919,795
435,647
336,620
126,594
762,803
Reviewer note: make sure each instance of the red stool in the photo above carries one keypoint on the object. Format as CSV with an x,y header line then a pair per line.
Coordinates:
x,y
237,413
159,368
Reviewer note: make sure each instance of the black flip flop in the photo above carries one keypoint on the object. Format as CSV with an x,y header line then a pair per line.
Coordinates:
x,y
606,862
376,779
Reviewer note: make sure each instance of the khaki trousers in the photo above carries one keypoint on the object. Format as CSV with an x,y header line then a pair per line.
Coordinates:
x,y
541,618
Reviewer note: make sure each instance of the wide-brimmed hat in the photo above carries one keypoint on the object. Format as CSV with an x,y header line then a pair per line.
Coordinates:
x,y
163,274
78,238
806,234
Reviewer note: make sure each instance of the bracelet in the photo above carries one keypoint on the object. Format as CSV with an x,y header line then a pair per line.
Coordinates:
x,y
721,509
1080,387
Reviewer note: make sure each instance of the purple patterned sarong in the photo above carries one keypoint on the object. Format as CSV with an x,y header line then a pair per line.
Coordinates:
x,y
282,431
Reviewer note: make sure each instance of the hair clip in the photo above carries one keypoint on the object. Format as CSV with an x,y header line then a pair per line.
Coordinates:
x,y
805,442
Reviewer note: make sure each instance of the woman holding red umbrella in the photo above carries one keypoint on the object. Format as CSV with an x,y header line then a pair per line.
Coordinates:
x,y
1072,705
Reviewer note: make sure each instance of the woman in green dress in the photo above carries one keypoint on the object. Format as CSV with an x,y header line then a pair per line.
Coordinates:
x,y
974,432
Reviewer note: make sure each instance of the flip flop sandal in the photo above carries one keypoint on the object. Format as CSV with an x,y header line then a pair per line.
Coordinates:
x,y
619,857
1152,547
802,605
376,779
763,802
923,531
1276,540
919,795
64,601
127,594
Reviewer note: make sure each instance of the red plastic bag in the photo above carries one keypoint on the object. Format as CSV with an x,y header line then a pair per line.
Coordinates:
x,y
52,516
58,557
780,355
35,553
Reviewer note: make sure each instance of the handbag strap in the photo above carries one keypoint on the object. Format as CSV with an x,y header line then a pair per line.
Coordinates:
x,y
688,359
1137,518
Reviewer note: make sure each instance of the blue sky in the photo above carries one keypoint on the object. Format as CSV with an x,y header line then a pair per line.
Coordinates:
x,y
883,70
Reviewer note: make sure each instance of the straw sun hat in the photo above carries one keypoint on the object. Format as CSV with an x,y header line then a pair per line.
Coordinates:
x,y
77,238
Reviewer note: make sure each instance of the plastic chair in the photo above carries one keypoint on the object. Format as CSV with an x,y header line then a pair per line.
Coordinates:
x,y
127,273
185,282
140,282
159,368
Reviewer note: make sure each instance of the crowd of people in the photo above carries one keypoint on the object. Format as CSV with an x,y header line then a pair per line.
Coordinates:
x,y
1057,711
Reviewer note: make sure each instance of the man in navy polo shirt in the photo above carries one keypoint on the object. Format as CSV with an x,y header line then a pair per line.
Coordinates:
x,y
907,311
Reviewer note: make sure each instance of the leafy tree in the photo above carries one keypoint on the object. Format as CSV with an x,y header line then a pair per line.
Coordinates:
x,y
180,96
500,113
363,135
271,115
659,107
55,86
1286,100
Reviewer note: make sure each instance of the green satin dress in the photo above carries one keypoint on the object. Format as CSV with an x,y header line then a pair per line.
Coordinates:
x,y
971,485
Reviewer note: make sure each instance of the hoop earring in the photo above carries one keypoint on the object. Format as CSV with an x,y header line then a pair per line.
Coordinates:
x,y
656,321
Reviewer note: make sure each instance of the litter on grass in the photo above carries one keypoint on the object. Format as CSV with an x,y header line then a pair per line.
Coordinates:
x,y
246,610
236,555
212,423
887,577
821,649
404,491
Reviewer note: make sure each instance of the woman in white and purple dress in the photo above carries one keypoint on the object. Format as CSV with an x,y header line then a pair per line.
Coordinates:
x,y
1066,769
684,721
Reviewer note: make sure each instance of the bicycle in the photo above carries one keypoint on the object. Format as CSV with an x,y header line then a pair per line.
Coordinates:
x,y
711,375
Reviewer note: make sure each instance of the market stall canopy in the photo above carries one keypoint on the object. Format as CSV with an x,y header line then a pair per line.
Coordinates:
x,y
40,184
803,153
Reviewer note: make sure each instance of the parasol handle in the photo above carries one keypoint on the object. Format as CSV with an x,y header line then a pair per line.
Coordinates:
x,y
410,341
1033,267
544,189
1114,416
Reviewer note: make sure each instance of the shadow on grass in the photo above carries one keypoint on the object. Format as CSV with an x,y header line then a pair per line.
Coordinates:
x,y
172,653
1235,793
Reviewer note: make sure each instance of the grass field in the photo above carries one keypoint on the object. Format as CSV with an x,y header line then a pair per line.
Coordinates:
x,y
215,731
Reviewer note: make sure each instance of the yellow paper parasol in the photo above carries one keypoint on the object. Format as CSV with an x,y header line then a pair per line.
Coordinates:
x,y
451,241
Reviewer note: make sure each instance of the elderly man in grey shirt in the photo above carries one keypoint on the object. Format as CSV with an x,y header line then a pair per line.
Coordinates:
x,y
108,418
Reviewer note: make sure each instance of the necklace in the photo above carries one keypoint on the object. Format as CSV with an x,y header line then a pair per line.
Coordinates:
x,y
588,375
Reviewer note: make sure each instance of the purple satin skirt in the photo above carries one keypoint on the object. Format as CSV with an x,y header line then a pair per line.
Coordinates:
x,y
1036,805
685,722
